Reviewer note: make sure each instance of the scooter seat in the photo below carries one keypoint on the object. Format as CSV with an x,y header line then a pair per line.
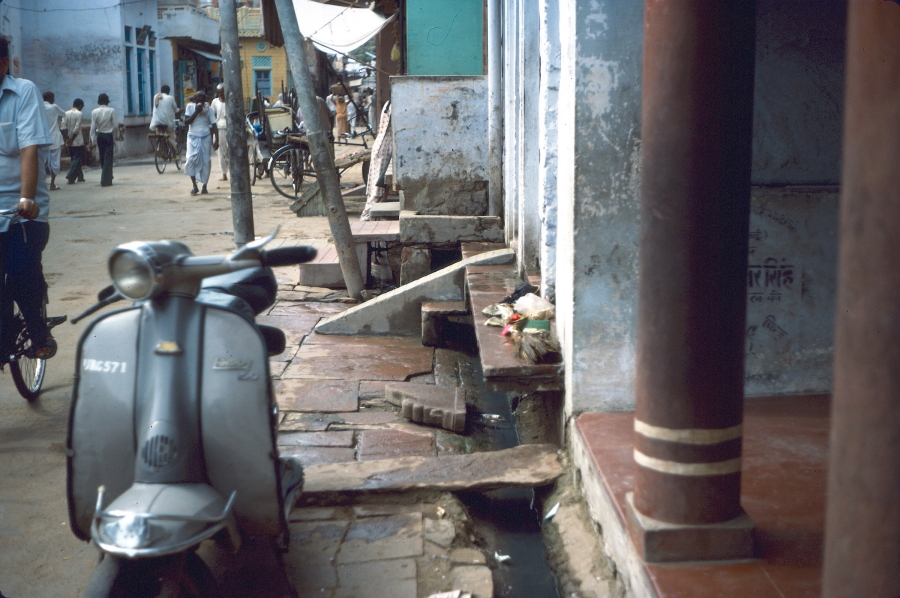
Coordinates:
x,y
256,286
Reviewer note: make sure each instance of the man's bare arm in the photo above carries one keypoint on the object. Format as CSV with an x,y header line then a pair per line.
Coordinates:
x,y
28,157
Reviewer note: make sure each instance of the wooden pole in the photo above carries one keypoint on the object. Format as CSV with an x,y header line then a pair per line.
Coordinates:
x,y
235,135
317,134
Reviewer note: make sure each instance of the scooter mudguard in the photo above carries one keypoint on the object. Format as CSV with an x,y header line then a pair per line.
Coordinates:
x,y
153,520
101,438
224,377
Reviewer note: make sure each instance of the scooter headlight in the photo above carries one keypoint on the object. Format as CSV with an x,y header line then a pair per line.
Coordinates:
x,y
132,273
129,531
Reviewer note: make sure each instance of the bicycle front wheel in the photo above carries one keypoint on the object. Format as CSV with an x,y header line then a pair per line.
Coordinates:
x,y
161,155
27,372
286,170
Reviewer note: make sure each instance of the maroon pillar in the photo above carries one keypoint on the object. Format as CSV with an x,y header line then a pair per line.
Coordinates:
x,y
862,535
695,208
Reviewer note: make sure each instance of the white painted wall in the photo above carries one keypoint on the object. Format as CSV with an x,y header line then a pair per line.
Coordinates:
x,y
598,199
529,217
77,50
11,30
548,127
440,127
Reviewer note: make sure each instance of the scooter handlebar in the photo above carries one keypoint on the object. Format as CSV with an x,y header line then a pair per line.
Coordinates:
x,y
286,256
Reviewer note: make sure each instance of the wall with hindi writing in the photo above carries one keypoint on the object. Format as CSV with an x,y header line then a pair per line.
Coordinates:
x,y
791,278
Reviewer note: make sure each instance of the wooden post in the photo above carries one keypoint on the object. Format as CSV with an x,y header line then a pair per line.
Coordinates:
x,y
317,134
235,136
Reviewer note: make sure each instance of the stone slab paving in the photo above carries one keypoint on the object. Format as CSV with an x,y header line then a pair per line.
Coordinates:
x,y
288,354
318,455
319,422
331,396
388,444
384,361
334,439
409,342
530,465
287,305
295,327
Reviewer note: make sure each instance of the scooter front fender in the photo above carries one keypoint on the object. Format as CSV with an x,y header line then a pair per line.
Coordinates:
x,y
153,520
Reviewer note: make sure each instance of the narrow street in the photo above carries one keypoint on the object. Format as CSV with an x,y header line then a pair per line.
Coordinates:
x,y
40,556
399,544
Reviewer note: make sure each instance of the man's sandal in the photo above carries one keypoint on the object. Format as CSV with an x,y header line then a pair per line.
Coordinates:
x,y
46,351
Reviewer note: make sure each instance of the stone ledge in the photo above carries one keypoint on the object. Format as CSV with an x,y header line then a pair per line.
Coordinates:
x,y
429,404
525,466
419,228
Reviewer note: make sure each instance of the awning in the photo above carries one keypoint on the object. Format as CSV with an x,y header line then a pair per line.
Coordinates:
x,y
337,28
333,29
206,55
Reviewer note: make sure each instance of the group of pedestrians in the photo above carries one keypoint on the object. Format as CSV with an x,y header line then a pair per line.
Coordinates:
x,y
65,128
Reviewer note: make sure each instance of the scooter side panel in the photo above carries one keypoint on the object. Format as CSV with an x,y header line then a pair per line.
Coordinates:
x,y
101,422
236,421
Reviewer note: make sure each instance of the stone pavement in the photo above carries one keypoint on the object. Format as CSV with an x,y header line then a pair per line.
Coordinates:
x,y
382,550
331,399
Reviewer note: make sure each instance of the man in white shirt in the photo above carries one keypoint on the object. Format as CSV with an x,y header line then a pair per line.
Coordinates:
x,y
50,155
165,110
219,113
71,130
202,138
104,133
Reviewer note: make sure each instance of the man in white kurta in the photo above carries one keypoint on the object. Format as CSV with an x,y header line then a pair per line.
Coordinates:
x,y
50,156
219,113
202,138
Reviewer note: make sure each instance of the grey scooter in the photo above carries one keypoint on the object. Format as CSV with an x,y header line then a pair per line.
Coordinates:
x,y
172,427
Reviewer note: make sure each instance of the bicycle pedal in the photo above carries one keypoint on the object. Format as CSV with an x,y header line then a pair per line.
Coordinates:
x,y
56,321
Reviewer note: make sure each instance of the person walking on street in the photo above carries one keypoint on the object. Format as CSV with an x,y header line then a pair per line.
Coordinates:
x,y
50,155
23,130
202,138
71,130
219,114
104,127
165,111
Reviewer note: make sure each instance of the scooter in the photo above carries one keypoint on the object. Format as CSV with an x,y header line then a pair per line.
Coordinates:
x,y
171,437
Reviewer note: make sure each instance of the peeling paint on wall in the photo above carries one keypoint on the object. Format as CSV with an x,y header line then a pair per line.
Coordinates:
x,y
440,129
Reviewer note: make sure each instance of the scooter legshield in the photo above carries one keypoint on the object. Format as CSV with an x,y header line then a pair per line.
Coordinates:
x,y
101,421
237,422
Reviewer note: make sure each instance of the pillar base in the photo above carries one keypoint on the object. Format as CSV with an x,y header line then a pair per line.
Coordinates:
x,y
661,542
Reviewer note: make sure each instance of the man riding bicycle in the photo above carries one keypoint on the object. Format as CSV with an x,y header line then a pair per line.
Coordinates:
x,y
165,110
23,130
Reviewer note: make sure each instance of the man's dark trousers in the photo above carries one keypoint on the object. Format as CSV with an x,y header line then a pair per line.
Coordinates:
x,y
106,147
21,246
76,153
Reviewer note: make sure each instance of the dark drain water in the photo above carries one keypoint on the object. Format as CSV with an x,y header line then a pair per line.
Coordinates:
x,y
506,521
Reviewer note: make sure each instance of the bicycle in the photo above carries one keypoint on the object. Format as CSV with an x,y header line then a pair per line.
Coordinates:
x,y
163,152
287,168
27,371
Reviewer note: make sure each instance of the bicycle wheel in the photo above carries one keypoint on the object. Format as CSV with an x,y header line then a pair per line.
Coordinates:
x,y
177,158
252,173
27,372
286,170
161,155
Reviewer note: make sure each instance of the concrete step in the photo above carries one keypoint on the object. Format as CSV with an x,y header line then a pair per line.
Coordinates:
x,y
399,311
385,210
434,314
